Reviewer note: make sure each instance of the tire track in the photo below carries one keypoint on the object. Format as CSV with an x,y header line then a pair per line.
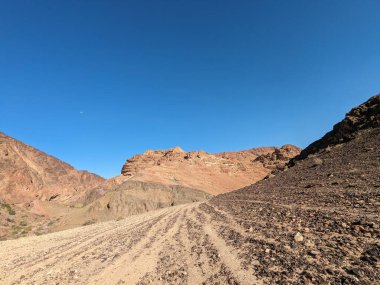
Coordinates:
x,y
127,269
231,262
176,245
65,243
171,266
43,268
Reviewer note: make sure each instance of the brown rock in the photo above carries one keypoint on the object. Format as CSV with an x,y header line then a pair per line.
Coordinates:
x,y
298,237
213,173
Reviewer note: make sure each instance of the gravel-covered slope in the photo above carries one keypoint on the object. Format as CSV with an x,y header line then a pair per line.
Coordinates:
x,y
318,221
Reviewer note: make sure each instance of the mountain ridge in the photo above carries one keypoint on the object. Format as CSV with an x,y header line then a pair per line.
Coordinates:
x,y
28,174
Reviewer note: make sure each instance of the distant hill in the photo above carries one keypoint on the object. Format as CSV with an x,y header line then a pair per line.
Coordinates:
x,y
212,173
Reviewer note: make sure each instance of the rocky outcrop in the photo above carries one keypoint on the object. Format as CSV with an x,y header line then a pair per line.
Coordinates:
x,y
279,157
130,198
213,173
135,197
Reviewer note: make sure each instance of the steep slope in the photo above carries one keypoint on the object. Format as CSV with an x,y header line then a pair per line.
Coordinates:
x,y
318,222
212,173
27,174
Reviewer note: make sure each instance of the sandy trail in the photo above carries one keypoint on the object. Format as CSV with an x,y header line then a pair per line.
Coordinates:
x,y
177,245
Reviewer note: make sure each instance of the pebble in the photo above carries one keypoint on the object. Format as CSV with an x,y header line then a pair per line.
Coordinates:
x,y
313,253
298,237
374,225
359,228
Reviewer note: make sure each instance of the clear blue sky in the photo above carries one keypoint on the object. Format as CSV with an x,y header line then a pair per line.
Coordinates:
x,y
94,82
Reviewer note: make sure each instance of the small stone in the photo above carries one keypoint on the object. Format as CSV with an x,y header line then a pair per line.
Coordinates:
x,y
298,237
250,229
374,225
354,271
313,253
358,228
267,250
309,243
317,161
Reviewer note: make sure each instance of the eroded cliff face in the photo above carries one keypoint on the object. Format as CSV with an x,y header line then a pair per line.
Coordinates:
x,y
213,173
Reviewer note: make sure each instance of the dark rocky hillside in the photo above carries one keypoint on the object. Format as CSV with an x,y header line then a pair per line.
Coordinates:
x,y
317,222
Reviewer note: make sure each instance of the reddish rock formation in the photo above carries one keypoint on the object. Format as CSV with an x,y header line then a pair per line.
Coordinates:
x,y
27,174
212,173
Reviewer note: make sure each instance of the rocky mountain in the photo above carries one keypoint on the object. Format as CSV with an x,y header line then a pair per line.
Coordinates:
x,y
211,173
318,221
27,174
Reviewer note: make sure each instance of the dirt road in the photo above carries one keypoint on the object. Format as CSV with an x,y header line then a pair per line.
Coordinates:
x,y
177,245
